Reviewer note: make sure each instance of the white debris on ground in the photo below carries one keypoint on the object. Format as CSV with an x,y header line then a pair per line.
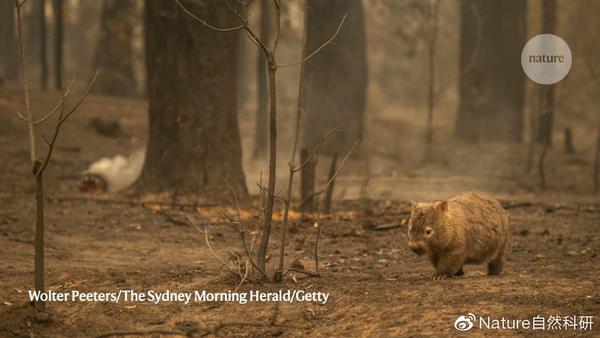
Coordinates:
x,y
118,172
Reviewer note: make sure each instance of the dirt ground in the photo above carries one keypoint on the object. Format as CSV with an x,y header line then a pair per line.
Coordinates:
x,y
378,288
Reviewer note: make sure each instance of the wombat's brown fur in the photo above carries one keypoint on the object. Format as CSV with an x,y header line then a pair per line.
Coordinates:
x,y
470,228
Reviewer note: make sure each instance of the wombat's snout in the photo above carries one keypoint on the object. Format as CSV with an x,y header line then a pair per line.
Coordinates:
x,y
416,248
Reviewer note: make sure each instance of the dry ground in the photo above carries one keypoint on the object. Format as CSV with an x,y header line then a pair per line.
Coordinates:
x,y
377,287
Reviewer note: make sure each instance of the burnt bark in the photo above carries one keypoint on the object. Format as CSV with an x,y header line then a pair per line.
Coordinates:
x,y
336,77
492,84
32,32
546,123
432,38
8,42
262,94
331,186
307,180
114,51
42,53
194,139
569,147
57,9
243,69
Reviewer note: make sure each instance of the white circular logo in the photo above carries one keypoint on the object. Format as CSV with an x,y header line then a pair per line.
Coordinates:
x,y
465,323
546,59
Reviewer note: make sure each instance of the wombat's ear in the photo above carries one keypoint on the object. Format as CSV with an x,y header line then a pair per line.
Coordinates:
x,y
442,206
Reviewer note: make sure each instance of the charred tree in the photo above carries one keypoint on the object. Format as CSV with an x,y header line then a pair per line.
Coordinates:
x,y
546,123
569,147
434,9
331,186
86,23
8,45
243,76
43,39
335,78
57,9
307,180
262,93
37,38
33,28
492,84
40,163
547,96
194,141
114,49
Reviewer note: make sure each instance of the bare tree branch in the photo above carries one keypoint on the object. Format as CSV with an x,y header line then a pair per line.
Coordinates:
x,y
315,151
233,194
306,272
59,103
231,29
23,118
275,41
28,117
248,250
318,221
292,163
62,117
330,40
224,264
46,140
253,37
333,177
82,97
275,194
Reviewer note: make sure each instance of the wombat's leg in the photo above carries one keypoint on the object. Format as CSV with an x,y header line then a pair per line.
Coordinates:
x,y
448,265
495,265
460,272
435,258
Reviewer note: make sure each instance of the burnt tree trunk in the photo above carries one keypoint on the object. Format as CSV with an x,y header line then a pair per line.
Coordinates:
x,y
331,186
243,76
432,38
32,33
114,49
8,42
569,147
546,123
547,96
307,180
194,141
57,9
492,84
336,77
43,53
87,23
262,93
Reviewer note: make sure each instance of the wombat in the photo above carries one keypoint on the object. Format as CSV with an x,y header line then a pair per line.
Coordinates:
x,y
470,228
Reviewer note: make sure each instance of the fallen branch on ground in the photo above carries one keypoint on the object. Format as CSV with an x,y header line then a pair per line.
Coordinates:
x,y
308,273
241,270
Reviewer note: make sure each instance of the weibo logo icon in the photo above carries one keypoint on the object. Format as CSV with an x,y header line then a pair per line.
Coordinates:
x,y
465,323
